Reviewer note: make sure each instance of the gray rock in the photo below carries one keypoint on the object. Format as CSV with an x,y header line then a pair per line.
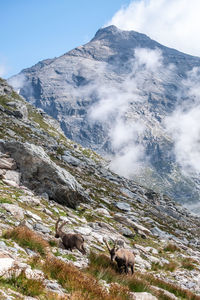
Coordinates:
x,y
143,296
126,232
45,196
15,210
42,228
43,175
83,230
7,163
158,232
123,206
71,160
33,216
11,175
2,245
102,211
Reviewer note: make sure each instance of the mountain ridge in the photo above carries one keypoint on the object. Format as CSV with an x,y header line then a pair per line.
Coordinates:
x,y
67,88
45,176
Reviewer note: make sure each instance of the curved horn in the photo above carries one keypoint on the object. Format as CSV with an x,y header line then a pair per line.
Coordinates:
x,y
106,244
61,226
56,225
115,244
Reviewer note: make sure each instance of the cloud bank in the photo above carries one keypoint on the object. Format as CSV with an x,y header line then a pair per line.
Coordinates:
x,y
115,108
184,124
2,70
174,23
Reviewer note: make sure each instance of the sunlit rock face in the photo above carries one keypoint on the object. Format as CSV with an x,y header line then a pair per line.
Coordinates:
x,y
113,95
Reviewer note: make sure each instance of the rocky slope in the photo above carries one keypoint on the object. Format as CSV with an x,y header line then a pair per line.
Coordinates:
x,y
44,176
95,87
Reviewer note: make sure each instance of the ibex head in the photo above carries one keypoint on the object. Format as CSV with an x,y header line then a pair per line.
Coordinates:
x,y
111,251
58,229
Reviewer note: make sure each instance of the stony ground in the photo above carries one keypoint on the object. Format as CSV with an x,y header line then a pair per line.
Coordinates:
x,y
44,176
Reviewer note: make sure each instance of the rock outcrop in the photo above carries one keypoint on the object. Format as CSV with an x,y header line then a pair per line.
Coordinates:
x,y
41,174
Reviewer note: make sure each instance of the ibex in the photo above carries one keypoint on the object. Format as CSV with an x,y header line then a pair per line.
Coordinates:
x,y
70,240
124,257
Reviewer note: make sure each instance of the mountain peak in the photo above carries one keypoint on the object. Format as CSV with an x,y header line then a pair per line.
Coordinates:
x,y
106,32
112,31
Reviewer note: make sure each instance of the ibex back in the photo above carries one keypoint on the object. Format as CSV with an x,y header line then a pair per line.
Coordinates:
x,y
70,240
123,257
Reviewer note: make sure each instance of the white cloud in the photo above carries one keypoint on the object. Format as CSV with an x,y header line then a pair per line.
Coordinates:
x,y
2,70
17,82
113,108
184,126
174,23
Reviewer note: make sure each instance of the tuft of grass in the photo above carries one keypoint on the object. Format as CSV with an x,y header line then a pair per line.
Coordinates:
x,y
53,243
74,280
119,292
5,200
189,263
102,268
172,288
27,238
171,247
171,266
28,287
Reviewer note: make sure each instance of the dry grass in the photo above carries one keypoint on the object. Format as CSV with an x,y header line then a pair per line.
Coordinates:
x,y
101,267
172,288
189,263
171,266
81,285
171,247
25,286
53,296
27,238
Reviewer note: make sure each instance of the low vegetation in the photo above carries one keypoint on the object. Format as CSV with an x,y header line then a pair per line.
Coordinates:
x,y
76,281
189,263
28,287
171,247
102,268
171,266
27,238
172,288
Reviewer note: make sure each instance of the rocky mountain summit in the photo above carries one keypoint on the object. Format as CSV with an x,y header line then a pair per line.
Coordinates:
x,y
98,89
44,176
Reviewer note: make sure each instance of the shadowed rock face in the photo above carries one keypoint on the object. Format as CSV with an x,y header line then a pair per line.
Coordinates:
x,y
42,175
67,87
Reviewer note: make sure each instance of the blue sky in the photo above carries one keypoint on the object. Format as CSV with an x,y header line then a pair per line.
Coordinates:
x,y
33,30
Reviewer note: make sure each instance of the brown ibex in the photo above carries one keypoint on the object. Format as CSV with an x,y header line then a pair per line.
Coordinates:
x,y
124,257
70,240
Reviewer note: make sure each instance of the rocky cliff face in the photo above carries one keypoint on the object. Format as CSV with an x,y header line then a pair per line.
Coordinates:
x,y
95,88
43,176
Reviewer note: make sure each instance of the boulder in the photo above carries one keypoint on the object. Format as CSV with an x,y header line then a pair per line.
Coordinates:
x,y
42,228
5,264
102,211
33,216
123,206
13,176
41,174
15,210
7,163
126,232
165,293
126,221
143,296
